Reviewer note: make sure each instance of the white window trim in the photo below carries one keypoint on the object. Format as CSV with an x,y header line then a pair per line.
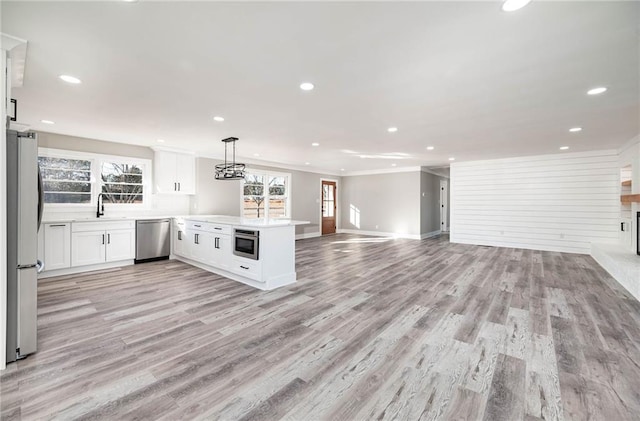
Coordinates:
x,y
96,165
266,206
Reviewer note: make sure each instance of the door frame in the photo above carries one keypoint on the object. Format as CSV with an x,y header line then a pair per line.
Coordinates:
x,y
338,204
444,205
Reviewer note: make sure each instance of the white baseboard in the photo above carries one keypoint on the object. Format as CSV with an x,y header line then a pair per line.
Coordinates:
x,y
379,234
80,269
430,234
307,235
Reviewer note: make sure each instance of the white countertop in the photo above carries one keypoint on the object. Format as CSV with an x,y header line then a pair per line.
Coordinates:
x,y
216,219
247,222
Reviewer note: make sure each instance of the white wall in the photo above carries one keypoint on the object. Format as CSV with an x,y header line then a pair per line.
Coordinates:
x,y
3,215
381,203
559,202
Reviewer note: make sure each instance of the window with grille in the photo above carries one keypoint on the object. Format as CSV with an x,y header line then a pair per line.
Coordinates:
x,y
122,182
66,180
74,178
265,195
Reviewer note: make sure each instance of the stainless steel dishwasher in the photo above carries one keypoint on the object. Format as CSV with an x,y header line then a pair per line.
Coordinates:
x,y
153,239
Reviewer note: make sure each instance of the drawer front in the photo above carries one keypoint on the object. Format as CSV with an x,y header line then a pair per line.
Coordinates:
x,y
179,222
220,229
102,226
248,268
197,226
209,227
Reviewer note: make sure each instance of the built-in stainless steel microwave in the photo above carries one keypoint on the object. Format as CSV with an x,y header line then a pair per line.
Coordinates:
x,y
246,243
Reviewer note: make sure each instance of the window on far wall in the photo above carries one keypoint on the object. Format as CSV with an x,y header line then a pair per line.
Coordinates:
x,y
65,180
265,195
71,179
121,182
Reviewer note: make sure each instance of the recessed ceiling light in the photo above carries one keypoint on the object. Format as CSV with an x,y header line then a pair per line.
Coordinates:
x,y
160,141
256,154
130,1
315,144
306,86
393,165
218,118
341,169
392,129
47,122
575,129
70,79
430,148
513,5
307,163
564,148
597,91
452,159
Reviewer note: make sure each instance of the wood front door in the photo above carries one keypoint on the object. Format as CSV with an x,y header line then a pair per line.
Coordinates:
x,y
329,207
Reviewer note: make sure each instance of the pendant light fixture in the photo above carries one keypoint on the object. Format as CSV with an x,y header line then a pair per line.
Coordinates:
x,y
230,170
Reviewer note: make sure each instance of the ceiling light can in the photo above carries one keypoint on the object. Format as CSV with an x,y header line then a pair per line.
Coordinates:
x,y
513,5
597,91
70,79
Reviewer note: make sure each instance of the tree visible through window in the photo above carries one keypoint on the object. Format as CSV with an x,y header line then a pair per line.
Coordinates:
x,y
77,181
265,195
121,183
65,180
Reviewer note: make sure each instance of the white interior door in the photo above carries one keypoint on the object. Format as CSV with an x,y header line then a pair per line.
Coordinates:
x,y
444,206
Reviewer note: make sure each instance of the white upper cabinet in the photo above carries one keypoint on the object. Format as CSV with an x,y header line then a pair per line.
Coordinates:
x,y
174,173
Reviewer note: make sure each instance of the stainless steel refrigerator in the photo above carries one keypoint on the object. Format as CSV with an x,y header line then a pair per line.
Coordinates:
x,y
24,213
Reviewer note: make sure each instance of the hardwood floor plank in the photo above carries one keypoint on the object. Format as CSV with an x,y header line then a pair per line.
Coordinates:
x,y
506,397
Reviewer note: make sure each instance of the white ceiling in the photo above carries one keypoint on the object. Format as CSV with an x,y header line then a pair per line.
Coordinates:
x,y
467,78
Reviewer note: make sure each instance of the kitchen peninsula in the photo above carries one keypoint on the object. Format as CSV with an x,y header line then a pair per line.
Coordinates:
x,y
257,252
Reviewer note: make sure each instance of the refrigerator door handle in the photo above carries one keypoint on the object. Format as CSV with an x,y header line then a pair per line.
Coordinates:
x,y
40,199
39,266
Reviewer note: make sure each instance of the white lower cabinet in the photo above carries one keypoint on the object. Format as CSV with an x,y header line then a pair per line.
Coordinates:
x,y
121,245
200,245
101,242
89,248
221,253
180,242
247,267
204,243
56,246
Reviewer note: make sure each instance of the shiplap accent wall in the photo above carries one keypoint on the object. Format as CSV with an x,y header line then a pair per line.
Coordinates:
x,y
560,202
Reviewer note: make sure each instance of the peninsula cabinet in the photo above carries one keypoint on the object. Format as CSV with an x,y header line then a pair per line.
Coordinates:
x,y
174,173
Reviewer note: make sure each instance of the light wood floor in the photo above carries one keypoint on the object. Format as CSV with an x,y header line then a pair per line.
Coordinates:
x,y
374,329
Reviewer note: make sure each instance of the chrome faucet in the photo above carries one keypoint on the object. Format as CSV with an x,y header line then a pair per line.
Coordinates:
x,y
100,211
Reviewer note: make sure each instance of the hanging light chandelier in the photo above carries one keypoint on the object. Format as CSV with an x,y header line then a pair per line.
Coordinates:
x,y
230,170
